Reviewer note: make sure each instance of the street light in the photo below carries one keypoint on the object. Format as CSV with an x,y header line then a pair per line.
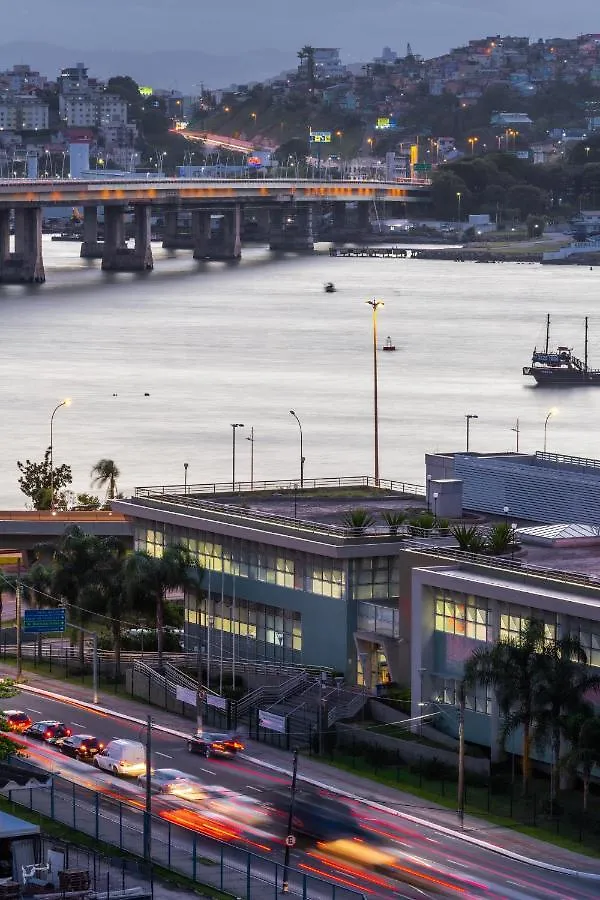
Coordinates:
x,y
551,412
506,512
234,427
290,839
375,304
292,413
435,500
251,439
517,431
185,470
472,141
458,196
65,402
468,418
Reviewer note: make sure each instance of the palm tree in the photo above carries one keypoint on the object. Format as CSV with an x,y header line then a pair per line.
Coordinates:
x,y
561,695
148,578
499,538
358,519
393,520
515,669
583,733
464,535
307,53
107,592
104,475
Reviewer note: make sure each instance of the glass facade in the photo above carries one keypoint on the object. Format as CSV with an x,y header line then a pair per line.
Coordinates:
x,y
514,618
250,559
376,578
589,635
462,614
446,690
380,619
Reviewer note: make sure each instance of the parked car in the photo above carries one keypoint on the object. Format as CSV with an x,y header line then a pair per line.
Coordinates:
x,y
173,781
80,746
122,757
48,731
214,744
15,719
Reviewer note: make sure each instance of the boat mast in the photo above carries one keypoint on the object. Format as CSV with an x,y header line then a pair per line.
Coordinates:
x,y
547,332
585,358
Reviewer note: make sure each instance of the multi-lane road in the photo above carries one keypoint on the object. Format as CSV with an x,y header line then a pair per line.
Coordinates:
x,y
394,857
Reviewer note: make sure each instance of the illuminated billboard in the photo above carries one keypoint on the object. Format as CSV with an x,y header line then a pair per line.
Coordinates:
x,y
146,91
320,137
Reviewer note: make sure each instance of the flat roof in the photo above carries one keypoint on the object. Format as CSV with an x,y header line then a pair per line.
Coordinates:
x,y
11,827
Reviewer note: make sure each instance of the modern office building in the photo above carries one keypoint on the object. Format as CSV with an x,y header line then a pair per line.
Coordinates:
x,y
279,587
459,605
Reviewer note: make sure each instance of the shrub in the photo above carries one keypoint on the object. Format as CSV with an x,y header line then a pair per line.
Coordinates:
x,y
358,519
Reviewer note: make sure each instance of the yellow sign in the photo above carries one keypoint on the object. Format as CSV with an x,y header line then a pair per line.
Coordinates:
x,y
320,137
10,559
146,91
383,122
414,154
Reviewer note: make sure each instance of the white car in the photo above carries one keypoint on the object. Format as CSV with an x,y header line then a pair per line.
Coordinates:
x,y
122,757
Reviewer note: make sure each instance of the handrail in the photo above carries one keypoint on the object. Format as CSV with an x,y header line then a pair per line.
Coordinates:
x,y
225,487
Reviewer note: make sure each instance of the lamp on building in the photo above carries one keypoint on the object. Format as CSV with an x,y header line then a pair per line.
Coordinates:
x,y
292,413
551,412
468,418
234,428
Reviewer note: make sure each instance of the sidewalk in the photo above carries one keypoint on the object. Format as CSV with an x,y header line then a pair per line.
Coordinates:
x,y
309,768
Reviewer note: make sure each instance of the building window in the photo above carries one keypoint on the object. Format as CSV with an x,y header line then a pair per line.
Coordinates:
x,y
279,629
461,614
379,619
590,641
514,621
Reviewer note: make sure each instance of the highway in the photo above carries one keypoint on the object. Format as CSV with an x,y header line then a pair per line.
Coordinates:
x,y
393,858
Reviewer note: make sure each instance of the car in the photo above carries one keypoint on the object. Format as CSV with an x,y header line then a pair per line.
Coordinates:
x,y
214,744
15,719
122,757
48,731
80,746
173,781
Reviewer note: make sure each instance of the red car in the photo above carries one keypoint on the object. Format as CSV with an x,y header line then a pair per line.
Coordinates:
x,y
15,719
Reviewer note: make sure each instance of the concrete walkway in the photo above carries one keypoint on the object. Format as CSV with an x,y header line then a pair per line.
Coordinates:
x,y
310,768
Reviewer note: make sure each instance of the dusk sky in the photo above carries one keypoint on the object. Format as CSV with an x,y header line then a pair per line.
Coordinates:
x,y
359,29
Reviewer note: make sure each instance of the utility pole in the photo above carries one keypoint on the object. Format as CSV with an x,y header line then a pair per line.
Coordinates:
x,y
148,806
290,840
18,616
461,755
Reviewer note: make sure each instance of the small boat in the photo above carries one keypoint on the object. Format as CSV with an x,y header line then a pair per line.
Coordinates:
x,y
330,287
388,344
557,367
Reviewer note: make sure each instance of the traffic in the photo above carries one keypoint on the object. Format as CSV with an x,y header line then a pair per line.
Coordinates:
x,y
225,795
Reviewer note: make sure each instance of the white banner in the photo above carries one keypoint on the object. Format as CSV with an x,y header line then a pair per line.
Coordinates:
x,y
216,701
185,695
271,721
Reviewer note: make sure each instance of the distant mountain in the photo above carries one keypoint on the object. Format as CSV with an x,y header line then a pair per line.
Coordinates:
x,y
181,70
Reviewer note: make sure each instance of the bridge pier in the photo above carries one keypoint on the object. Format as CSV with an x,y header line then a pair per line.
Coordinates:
x,y
117,256
291,231
25,265
173,237
91,248
225,243
363,212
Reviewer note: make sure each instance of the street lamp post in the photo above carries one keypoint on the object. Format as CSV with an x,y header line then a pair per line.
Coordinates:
x,y
292,413
458,199
290,840
66,402
506,512
375,304
251,439
234,427
185,471
468,418
516,430
435,500
551,412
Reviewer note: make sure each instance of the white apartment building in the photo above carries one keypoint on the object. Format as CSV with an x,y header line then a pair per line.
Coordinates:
x,y
23,114
92,110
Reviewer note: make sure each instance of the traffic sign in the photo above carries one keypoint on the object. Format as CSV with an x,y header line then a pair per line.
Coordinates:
x,y
42,621
290,841
320,137
422,167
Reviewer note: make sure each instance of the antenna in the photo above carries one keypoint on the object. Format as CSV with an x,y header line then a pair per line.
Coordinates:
x,y
585,358
547,332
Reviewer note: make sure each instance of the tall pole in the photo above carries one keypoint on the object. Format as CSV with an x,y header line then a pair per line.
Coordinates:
x,y
292,413
209,627
18,617
461,755
289,841
549,416
185,471
222,609
516,431
148,804
95,666
251,439
234,427
66,402
233,614
375,304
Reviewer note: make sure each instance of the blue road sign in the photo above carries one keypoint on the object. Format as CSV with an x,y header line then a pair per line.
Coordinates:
x,y
42,621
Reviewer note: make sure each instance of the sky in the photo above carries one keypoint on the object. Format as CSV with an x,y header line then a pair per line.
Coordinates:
x,y
360,29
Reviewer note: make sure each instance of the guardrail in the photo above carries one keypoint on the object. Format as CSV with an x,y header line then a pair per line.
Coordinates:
x,y
226,487
183,850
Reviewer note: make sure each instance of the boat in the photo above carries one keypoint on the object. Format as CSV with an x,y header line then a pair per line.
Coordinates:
x,y
330,287
559,367
388,344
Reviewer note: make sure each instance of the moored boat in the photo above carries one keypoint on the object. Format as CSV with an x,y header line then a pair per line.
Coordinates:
x,y
388,344
560,367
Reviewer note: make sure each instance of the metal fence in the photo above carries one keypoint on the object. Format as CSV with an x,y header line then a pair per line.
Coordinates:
x,y
109,876
182,850
226,487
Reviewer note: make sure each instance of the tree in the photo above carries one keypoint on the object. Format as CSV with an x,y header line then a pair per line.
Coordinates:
x,y
148,578
515,670
128,89
566,681
104,475
107,591
307,55
499,538
528,199
73,571
583,733
535,226
37,482
88,501
358,519
445,188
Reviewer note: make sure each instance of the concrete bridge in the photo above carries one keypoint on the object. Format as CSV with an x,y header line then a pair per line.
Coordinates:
x,y
290,204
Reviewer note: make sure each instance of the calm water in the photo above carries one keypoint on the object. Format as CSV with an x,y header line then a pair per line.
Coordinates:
x,y
246,343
